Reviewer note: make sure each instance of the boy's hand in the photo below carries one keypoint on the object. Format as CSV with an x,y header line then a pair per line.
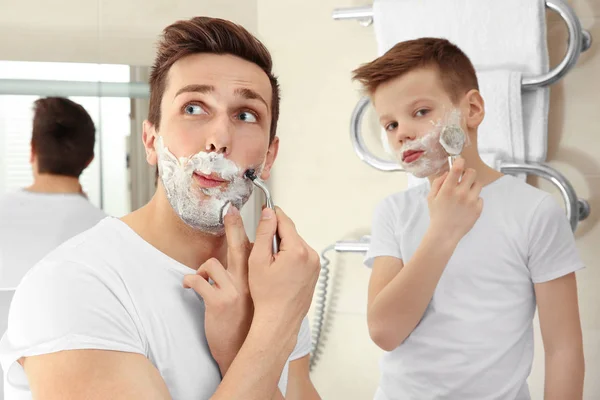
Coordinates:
x,y
455,206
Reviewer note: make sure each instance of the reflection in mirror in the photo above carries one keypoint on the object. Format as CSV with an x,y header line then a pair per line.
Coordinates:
x,y
103,90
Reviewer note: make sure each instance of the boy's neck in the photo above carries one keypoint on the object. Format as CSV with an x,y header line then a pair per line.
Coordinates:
x,y
485,173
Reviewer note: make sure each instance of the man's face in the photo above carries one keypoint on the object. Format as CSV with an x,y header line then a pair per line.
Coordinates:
x,y
215,123
413,109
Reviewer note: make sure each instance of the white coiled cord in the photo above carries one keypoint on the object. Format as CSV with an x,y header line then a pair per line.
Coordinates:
x,y
320,308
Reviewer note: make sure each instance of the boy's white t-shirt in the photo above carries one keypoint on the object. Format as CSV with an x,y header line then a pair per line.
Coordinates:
x,y
109,289
475,340
33,224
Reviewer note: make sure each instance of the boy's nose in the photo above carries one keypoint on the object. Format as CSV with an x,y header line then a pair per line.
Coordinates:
x,y
404,135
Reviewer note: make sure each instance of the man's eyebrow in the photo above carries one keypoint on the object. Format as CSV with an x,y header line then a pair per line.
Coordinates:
x,y
195,88
250,95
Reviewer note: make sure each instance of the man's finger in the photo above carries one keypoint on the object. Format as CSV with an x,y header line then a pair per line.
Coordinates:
x,y
215,271
262,251
200,286
237,241
287,230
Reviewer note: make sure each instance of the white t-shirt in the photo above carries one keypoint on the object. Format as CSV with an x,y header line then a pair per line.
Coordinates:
x,y
475,340
109,289
33,224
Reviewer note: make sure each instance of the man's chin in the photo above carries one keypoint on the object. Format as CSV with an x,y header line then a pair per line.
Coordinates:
x,y
214,229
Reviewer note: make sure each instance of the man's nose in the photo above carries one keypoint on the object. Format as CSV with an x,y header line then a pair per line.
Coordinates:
x,y
219,135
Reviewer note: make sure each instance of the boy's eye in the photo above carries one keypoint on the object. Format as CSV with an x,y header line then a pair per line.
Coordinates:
x,y
422,112
391,126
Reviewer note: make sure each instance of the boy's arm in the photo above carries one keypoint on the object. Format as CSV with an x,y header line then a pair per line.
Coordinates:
x,y
399,294
561,333
552,261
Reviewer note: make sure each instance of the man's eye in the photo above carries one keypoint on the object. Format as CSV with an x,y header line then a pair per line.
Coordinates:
x,y
193,109
247,116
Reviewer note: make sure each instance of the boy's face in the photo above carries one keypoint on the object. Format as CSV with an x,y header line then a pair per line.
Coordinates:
x,y
413,109
215,124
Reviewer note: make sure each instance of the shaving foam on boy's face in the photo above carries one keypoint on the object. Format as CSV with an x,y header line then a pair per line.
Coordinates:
x,y
199,207
434,159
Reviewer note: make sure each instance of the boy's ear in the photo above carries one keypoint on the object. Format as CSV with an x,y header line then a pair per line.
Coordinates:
x,y
475,108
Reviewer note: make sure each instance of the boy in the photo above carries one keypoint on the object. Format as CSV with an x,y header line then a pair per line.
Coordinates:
x,y
459,264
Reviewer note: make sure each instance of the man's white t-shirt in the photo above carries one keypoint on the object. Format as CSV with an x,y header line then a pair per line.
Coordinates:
x,y
33,224
475,340
109,289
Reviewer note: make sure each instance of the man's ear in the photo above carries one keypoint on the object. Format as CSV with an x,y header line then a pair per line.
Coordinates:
x,y
475,109
271,156
149,138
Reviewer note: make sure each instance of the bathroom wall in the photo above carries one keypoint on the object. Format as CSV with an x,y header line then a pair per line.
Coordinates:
x,y
330,193
103,31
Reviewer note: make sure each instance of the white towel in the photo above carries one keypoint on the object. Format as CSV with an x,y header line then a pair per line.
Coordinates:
x,y
507,35
501,131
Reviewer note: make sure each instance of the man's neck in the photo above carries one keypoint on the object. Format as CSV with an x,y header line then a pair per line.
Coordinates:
x,y
48,183
158,225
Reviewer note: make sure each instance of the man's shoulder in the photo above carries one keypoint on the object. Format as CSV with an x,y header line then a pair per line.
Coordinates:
x,y
86,249
12,197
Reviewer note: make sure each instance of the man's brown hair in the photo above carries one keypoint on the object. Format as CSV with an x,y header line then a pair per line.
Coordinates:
x,y
63,136
207,35
455,69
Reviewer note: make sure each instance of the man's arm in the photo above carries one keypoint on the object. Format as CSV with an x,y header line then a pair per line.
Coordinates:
x,y
103,374
93,375
561,333
299,385
264,353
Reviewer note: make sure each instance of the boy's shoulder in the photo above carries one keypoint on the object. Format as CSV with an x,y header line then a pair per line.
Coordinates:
x,y
411,195
511,189
403,205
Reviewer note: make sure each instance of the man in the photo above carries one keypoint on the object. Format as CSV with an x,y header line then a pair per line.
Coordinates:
x,y
35,220
460,265
111,314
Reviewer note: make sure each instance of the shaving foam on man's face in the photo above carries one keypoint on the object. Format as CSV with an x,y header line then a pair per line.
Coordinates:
x,y
202,208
